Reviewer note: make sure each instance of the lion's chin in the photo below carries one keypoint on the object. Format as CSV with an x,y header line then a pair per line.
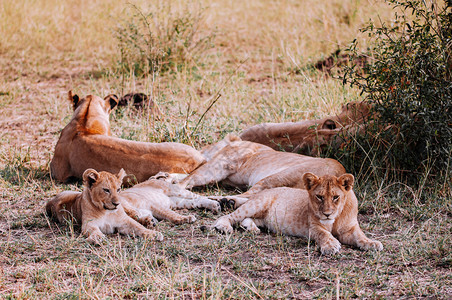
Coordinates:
x,y
327,221
109,208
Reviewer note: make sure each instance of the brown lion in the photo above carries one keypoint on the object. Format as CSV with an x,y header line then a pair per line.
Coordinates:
x,y
98,209
86,142
310,136
325,212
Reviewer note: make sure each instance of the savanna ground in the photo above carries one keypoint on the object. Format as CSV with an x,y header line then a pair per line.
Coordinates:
x,y
260,63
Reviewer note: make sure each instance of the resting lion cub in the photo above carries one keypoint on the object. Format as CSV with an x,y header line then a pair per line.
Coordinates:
x,y
156,197
98,208
325,212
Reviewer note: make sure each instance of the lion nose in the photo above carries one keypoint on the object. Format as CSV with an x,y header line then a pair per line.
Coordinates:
x,y
327,214
115,203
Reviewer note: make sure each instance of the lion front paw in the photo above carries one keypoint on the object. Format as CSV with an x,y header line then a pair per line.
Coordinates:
x,y
96,238
372,245
153,235
330,247
223,225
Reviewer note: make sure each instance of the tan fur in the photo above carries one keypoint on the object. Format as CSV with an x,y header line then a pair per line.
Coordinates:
x,y
86,142
310,136
241,163
157,197
98,208
326,212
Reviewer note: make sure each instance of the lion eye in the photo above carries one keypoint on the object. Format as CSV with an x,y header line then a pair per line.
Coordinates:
x,y
107,191
319,197
118,190
335,198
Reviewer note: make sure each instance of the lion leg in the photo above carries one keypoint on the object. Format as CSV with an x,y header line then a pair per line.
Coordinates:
x,y
212,171
327,243
234,201
60,207
248,213
356,237
131,227
93,233
285,178
143,216
290,177
182,198
250,225
170,215
196,201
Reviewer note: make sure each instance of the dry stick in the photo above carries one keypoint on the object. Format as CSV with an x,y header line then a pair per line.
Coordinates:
x,y
216,97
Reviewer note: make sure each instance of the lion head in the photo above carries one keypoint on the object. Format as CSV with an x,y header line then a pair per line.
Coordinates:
x,y
103,188
92,112
327,195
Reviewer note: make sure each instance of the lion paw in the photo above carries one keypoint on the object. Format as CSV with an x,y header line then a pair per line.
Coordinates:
x,y
227,204
330,247
250,226
373,245
190,219
223,225
96,238
185,219
149,221
215,207
153,235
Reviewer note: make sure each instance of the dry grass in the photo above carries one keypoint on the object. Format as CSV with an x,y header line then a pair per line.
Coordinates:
x,y
260,66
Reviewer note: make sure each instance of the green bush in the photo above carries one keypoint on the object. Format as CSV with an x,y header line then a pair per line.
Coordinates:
x,y
408,81
161,40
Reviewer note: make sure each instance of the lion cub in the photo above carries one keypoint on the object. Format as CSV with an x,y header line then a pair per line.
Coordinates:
x,y
98,208
157,196
325,212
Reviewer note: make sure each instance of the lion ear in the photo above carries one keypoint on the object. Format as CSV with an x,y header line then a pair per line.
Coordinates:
x,y
121,174
310,180
74,99
113,100
329,124
346,181
90,176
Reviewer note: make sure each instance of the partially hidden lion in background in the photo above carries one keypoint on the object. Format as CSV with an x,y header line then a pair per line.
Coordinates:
x,y
325,212
310,136
86,142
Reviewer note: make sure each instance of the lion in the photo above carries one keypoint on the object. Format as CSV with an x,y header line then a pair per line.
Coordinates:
x,y
86,142
98,208
155,198
242,164
311,136
325,212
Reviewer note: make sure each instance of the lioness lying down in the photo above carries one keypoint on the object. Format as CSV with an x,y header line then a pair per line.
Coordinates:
x,y
310,136
101,208
325,212
98,208
86,142
241,163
